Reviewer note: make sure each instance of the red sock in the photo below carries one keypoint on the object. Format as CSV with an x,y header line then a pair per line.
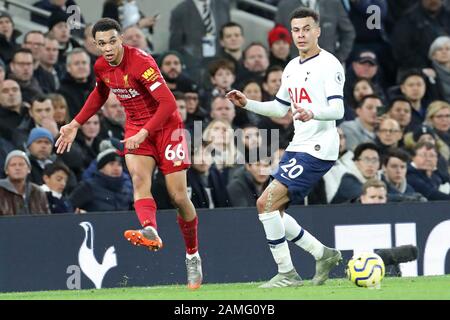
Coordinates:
x,y
189,231
146,211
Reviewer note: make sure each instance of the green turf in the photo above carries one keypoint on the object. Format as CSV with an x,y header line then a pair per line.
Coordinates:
x,y
437,287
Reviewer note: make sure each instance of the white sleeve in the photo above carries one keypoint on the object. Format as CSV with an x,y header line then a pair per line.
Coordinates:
x,y
334,111
269,108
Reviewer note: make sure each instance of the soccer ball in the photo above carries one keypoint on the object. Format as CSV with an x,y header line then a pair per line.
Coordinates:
x,y
365,269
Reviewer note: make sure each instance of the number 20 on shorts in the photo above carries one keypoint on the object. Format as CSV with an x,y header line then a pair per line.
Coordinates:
x,y
292,169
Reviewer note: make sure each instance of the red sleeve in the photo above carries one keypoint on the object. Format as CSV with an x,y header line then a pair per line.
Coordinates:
x,y
94,102
150,77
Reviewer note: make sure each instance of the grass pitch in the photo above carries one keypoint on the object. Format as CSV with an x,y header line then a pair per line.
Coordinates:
x,y
423,288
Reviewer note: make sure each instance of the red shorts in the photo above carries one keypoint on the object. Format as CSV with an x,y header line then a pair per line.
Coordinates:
x,y
167,146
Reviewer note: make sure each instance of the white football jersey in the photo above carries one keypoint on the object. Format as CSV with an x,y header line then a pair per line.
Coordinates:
x,y
312,83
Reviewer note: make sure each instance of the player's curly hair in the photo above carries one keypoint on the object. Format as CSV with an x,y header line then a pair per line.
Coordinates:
x,y
105,24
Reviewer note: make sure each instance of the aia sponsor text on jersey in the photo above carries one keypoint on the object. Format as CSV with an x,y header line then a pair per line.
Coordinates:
x,y
299,95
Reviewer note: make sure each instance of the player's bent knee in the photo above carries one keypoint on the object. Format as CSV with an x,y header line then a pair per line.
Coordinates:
x,y
179,198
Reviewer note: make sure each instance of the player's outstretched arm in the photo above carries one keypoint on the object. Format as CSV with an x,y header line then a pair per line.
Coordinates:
x,y
269,108
237,98
67,136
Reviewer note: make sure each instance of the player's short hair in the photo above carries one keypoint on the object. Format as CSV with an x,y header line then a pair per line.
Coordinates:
x,y
222,63
396,153
373,183
105,24
396,99
51,168
229,25
273,68
363,147
302,12
365,98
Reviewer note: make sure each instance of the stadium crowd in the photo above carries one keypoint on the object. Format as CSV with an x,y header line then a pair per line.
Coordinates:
x,y
394,138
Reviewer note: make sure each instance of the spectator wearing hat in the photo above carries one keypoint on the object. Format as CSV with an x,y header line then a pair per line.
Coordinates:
x,y
8,37
416,31
364,65
40,147
106,190
279,40
438,117
17,195
439,54
55,178
337,34
426,134
423,176
60,30
21,70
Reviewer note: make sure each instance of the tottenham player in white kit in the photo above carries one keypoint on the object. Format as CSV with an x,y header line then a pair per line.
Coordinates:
x,y
312,86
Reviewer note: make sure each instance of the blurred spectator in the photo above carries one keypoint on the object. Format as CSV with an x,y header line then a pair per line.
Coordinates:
x,y
181,104
374,191
249,138
57,6
416,31
195,112
55,178
344,164
61,112
222,109
128,14
205,183
244,189
106,190
272,82
5,147
364,65
361,87
89,140
12,109
252,90
422,174
194,29
399,109
222,76
89,45
40,115
285,127
279,39
39,146
337,33
362,129
438,117
439,55
134,37
171,66
255,63
232,40
8,37
78,82
388,135
220,139
366,162
21,70
49,59
2,71
112,123
394,175
17,195
60,30
35,41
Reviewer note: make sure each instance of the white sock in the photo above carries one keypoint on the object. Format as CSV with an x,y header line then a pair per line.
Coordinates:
x,y
190,256
301,237
275,235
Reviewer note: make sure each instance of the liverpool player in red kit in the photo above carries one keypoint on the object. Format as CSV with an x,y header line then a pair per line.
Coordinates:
x,y
153,137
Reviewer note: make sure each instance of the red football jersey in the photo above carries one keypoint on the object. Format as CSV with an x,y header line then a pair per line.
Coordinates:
x,y
140,88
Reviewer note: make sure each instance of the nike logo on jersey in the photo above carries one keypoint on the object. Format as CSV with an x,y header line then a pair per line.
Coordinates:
x,y
282,174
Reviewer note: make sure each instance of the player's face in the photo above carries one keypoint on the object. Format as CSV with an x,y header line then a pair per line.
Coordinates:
x,y
41,148
414,88
368,163
57,181
17,169
401,111
305,33
273,83
389,132
441,120
395,170
109,43
374,195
